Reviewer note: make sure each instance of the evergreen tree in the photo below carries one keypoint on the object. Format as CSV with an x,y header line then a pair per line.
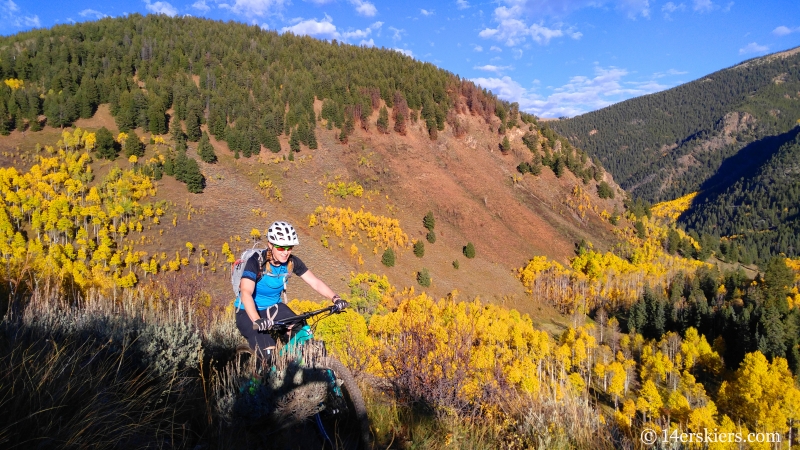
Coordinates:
x,y
558,166
5,120
419,249
429,221
294,142
505,146
388,258
192,126
133,146
105,146
469,250
157,116
383,120
126,114
424,278
205,150
176,132
431,237
604,190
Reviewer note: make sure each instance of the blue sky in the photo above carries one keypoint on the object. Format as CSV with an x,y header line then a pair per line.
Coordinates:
x,y
554,57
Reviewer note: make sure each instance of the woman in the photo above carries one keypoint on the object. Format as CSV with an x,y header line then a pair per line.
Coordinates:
x,y
259,303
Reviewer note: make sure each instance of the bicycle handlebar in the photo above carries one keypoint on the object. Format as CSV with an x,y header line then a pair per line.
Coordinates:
x,y
286,322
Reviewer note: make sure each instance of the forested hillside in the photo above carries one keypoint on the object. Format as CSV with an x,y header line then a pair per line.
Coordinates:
x,y
248,84
665,145
727,136
758,213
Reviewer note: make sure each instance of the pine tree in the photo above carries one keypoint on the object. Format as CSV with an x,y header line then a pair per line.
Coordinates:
x,y
505,146
419,249
400,124
5,120
431,237
125,116
424,278
383,120
429,221
133,146
388,258
157,116
469,250
105,146
205,150
192,125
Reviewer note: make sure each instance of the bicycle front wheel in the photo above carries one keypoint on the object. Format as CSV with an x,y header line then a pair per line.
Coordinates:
x,y
344,422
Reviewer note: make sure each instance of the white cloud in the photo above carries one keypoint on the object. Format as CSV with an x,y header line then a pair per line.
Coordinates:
x,y
404,51
201,6
161,8
398,33
492,68
251,8
670,72
325,29
317,28
753,48
580,95
10,13
512,31
364,8
634,8
462,4
784,30
92,13
704,5
495,48
362,34
478,48
320,2
670,8
425,12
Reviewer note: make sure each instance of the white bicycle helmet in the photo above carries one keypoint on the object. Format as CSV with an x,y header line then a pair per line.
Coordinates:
x,y
282,233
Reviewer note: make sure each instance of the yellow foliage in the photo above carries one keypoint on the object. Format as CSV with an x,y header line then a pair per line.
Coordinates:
x,y
14,83
342,222
342,189
671,210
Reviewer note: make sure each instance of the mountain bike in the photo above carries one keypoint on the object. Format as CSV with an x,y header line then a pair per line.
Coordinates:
x,y
300,382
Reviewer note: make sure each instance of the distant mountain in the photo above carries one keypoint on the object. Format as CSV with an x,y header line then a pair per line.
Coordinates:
x,y
664,145
731,135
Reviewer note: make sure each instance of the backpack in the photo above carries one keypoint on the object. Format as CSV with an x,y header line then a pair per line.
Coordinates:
x,y
237,268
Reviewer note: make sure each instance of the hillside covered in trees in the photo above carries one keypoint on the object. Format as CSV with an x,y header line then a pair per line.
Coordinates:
x,y
597,323
728,136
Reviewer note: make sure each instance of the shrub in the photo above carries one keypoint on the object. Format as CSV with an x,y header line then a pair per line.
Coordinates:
x,y
419,249
604,190
431,237
428,221
424,278
455,264
469,250
388,257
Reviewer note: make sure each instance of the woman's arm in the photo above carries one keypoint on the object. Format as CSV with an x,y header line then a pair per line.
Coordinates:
x,y
246,289
318,285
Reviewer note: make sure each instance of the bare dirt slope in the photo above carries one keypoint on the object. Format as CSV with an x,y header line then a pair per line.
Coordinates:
x,y
466,182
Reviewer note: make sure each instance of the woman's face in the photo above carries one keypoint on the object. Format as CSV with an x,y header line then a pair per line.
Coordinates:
x,y
280,253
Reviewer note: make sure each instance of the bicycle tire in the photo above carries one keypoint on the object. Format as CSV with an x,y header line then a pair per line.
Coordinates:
x,y
349,430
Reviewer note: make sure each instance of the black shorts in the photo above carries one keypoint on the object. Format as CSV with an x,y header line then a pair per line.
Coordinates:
x,y
260,339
